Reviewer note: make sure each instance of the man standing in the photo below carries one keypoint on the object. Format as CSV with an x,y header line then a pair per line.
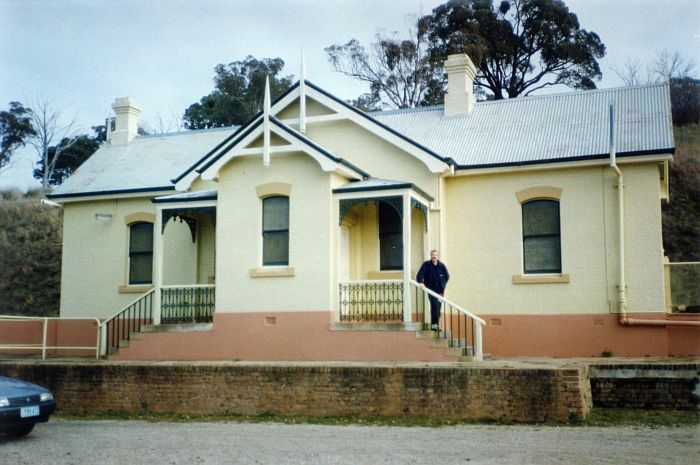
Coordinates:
x,y
433,275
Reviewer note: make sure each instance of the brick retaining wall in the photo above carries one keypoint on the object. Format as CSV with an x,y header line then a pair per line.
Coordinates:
x,y
656,387
464,393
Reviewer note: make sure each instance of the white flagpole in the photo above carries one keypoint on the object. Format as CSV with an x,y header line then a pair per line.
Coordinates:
x,y
266,124
302,95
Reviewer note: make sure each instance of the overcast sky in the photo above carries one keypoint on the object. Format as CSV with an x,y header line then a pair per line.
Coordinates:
x,y
81,54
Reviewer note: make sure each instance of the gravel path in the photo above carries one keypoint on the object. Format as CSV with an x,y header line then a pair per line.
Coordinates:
x,y
137,442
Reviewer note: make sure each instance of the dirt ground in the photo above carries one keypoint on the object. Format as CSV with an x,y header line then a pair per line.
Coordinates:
x,y
137,442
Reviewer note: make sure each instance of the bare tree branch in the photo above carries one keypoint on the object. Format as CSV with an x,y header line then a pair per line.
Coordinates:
x,y
46,121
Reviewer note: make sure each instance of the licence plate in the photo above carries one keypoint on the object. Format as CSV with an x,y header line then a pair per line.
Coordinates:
x,y
29,412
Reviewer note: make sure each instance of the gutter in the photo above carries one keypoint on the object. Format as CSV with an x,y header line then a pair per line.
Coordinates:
x,y
625,319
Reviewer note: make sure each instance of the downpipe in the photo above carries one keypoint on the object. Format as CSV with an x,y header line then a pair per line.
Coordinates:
x,y
624,318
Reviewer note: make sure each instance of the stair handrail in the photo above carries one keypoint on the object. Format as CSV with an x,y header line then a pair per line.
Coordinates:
x,y
103,326
447,301
125,308
478,343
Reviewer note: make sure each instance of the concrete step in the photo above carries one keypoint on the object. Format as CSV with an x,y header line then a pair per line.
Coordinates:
x,y
177,328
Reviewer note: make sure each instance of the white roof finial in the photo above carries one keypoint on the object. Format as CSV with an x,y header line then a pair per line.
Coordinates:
x,y
302,94
266,123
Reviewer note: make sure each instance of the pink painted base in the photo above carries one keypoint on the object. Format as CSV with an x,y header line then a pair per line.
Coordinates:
x,y
282,336
585,336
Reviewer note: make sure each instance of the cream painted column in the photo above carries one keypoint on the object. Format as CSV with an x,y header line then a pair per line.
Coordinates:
x,y
442,221
406,257
158,264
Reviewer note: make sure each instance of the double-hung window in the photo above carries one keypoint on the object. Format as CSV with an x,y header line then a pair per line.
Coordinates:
x,y
141,253
541,237
275,231
390,238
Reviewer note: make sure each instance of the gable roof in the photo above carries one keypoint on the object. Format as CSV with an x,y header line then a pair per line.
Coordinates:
x,y
147,163
209,167
543,129
527,130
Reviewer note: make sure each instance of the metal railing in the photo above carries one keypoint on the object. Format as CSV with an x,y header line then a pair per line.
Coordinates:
x,y
43,345
458,326
684,281
371,301
122,324
187,304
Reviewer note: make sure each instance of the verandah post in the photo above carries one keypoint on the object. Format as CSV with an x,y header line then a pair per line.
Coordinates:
x,y
406,257
157,265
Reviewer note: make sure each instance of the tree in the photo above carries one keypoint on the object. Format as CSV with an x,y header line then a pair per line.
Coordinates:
x,y
238,94
681,216
685,101
398,71
15,127
678,71
519,47
48,133
73,153
665,66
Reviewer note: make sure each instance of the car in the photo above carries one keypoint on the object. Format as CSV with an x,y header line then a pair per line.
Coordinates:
x,y
22,405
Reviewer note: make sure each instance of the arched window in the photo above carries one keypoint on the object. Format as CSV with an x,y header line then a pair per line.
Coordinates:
x,y
141,253
541,237
390,238
275,231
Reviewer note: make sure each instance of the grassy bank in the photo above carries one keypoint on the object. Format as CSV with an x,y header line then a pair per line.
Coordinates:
x,y
598,417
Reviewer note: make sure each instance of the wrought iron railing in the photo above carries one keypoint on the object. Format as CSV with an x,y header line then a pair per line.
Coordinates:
x,y
120,326
458,326
684,281
187,304
371,301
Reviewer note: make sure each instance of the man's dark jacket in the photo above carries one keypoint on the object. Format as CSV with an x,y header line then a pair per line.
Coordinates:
x,y
434,277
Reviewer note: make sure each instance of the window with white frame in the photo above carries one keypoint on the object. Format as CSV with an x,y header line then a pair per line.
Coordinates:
x,y
141,253
275,231
541,237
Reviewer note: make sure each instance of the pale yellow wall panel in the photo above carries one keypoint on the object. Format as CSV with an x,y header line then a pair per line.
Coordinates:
x,y
179,254
239,240
206,244
485,242
95,257
372,154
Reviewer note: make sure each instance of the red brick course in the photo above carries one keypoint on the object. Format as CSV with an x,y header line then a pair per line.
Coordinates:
x,y
443,392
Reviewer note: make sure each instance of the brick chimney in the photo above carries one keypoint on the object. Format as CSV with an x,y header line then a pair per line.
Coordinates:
x,y
125,122
461,72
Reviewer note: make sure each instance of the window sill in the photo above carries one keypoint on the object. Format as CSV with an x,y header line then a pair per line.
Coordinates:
x,y
271,272
541,278
135,288
388,274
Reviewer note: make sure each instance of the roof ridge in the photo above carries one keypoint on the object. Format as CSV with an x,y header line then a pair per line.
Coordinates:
x,y
186,132
570,93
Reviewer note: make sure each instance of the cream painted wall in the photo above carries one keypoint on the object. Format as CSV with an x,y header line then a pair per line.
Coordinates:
x,y
179,254
373,154
239,222
643,237
313,108
364,243
484,239
206,244
417,238
95,256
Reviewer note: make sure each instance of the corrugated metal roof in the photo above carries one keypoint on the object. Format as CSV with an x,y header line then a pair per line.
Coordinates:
x,y
377,184
541,129
146,162
517,131
188,196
